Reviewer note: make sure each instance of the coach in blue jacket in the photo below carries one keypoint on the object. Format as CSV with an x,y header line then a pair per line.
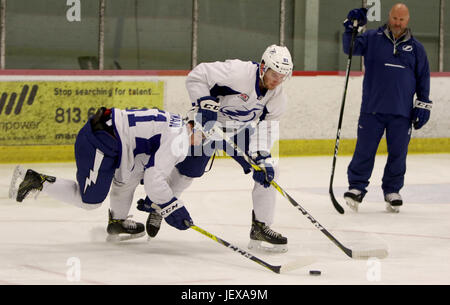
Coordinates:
x,y
396,68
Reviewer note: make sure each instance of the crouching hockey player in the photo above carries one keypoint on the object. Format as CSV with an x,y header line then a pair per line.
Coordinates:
x,y
235,94
114,152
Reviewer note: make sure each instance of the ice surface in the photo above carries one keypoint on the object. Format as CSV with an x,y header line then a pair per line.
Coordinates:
x,y
43,241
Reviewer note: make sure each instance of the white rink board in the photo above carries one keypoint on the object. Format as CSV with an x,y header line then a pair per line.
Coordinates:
x,y
40,237
313,103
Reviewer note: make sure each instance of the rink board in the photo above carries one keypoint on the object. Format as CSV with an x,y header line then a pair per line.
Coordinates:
x,y
287,148
51,111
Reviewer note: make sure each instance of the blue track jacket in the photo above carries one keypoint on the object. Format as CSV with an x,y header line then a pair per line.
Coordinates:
x,y
394,71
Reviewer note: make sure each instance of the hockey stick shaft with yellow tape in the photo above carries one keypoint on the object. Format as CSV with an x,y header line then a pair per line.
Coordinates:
x,y
362,254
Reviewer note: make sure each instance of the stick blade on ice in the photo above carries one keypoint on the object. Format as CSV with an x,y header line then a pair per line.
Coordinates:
x,y
297,264
336,204
366,254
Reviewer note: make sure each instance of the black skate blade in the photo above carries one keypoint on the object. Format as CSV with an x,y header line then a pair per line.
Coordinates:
x,y
117,238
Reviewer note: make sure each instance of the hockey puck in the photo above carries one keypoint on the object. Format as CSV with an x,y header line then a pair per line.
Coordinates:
x,y
314,272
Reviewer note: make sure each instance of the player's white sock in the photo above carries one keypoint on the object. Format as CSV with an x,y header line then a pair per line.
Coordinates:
x,y
67,191
264,200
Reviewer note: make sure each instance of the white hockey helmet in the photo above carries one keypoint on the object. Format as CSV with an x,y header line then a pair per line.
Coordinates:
x,y
277,58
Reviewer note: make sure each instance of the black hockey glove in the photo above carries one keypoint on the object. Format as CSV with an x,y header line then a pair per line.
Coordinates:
x,y
359,14
173,212
206,115
421,113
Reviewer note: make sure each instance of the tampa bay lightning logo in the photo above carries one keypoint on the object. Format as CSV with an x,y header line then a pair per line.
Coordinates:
x,y
407,48
242,114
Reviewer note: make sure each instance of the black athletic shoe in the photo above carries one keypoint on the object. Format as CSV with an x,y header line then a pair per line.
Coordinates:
x,y
260,233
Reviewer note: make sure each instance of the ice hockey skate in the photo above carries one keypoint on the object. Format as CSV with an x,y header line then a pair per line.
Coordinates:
x,y
30,182
153,224
393,202
123,229
263,238
353,198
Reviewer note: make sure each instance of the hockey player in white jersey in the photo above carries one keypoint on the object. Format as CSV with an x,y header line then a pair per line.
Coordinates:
x,y
237,94
114,151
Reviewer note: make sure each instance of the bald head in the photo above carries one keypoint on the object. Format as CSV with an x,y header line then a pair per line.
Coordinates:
x,y
398,19
399,8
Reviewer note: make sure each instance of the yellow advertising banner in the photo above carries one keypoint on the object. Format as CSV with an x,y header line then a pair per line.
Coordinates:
x,y
52,112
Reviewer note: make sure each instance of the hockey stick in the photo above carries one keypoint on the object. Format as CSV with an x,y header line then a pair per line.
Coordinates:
x,y
304,261
363,254
336,204
277,269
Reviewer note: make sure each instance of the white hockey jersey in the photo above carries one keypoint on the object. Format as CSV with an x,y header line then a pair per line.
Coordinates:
x,y
236,84
152,142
